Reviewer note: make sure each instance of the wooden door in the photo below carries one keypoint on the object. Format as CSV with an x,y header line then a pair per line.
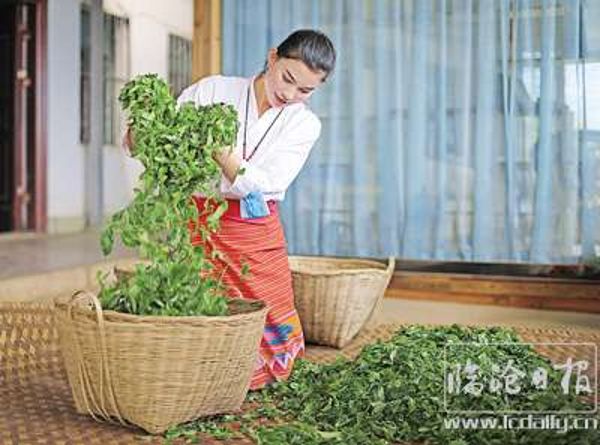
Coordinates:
x,y
22,116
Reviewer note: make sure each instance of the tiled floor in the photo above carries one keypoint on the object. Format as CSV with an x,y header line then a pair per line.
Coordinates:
x,y
32,266
26,254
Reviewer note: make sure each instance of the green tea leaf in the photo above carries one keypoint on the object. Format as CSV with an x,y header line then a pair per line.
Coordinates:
x,y
175,146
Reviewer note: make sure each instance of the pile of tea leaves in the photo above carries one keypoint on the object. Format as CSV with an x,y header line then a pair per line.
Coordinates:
x,y
397,391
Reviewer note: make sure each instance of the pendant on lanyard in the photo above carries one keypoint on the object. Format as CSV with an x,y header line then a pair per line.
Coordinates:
x,y
253,205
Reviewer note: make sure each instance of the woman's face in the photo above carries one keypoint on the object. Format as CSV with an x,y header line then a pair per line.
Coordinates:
x,y
289,81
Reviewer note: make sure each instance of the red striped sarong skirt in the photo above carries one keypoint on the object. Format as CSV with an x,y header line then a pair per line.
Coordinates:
x,y
259,243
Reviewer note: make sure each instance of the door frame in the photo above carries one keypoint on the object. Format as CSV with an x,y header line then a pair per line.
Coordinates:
x,y
30,197
40,212
34,194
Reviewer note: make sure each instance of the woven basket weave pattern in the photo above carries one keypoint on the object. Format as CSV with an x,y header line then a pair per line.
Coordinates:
x,y
156,372
335,298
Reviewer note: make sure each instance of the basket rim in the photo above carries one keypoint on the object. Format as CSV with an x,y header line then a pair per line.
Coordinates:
x,y
121,317
381,268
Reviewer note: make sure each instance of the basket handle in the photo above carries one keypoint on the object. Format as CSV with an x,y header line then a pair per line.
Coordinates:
x,y
84,374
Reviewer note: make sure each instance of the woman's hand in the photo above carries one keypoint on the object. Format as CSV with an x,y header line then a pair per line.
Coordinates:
x,y
128,141
228,161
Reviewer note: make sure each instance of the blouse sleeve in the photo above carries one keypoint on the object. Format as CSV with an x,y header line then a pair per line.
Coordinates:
x,y
282,165
200,93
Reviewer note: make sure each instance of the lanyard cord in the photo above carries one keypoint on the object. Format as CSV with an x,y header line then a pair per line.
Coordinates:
x,y
246,128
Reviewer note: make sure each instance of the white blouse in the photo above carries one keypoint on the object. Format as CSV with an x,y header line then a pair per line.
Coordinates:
x,y
282,153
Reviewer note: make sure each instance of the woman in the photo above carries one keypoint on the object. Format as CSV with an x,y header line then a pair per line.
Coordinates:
x,y
276,134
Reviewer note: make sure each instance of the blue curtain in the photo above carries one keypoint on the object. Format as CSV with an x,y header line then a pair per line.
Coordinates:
x,y
452,129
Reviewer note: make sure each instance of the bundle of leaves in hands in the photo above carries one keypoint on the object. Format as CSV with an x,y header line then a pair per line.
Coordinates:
x,y
394,392
176,146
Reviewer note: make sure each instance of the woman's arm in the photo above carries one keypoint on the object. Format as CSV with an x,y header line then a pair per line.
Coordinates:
x,y
278,169
229,163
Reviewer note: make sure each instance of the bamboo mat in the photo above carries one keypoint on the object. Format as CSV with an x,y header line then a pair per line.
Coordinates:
x,y
36,406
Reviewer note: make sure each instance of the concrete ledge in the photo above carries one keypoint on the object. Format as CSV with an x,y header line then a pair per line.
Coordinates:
x,y
64,225
20,236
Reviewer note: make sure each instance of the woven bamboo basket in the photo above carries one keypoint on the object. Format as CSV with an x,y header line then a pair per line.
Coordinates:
x,y
336,297
156,371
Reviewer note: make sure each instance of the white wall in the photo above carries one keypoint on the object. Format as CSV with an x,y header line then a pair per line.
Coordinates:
x,y
150,22
65,155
